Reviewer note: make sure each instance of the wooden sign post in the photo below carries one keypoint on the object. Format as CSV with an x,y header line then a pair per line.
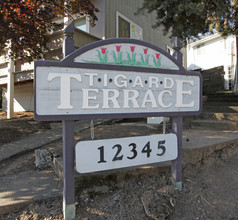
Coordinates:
x,y
116,78
177,126
68,143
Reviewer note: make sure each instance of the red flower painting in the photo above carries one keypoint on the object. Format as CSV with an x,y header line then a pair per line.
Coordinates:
x,y
157,55
145,58
103,49
102,55
132,48
117,58
118,48
157,60
132,57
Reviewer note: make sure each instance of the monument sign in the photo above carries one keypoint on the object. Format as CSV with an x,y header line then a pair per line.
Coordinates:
x,y
116,78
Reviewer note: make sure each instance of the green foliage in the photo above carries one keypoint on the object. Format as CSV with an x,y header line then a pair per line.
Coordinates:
x,y
191,18
142,58
157,62
102,57
119,59
27,23
131,59
105,57
145,61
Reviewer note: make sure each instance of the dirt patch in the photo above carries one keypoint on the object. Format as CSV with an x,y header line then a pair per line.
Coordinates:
x,y
209,188
50,209
26,162
21,125
209,192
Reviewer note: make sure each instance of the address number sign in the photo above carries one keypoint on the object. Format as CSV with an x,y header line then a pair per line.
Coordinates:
x,y
99,155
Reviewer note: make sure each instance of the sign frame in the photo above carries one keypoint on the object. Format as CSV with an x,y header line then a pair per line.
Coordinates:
x,y
68,62
68,120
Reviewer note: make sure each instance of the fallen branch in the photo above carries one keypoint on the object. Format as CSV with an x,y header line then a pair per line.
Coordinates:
x,y
207,202
147,212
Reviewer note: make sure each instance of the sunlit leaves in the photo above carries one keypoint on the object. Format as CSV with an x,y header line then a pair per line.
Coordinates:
x,y
189,18
26,23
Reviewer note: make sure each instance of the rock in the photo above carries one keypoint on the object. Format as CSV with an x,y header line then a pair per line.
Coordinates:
x,y
116,197
159,204
43,159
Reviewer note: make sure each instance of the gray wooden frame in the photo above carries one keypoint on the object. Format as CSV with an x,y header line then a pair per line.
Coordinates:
x,y
68,61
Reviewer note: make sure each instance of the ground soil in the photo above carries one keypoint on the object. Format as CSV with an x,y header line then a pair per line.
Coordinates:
x,y
21,125
209,187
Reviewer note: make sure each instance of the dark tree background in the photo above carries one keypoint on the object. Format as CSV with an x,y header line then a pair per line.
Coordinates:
x,y
188,19
191,18
27,23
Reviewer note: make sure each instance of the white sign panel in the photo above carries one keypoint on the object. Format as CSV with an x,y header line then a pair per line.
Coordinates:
x,y
107,154
76,91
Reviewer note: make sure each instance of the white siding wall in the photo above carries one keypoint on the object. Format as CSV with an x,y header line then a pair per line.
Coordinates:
x,y
99,29
128,8
211,52
23,98
4,101
3,73
20,66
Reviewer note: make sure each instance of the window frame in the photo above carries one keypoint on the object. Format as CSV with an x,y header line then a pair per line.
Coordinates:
x,y
118,14
86,24
170,50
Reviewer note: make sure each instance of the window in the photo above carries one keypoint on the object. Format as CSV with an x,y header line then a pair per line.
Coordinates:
x,y
170,50
136,32
123,28
81,24
127,28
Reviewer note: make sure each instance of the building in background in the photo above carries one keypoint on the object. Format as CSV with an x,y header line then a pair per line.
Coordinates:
x,y
214,51
115,19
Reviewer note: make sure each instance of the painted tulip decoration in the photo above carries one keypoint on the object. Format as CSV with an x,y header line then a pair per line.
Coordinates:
x,y
131,58
118,58
103,49
118,48
132,49
102,55
157,60
145,61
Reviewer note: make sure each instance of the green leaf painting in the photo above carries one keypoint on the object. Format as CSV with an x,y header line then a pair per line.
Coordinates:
x,y
129,58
